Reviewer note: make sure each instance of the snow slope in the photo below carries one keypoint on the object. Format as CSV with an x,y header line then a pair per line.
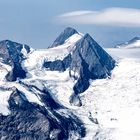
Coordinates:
x,y
115,102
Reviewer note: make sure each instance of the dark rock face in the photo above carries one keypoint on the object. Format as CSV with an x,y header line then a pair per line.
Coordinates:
x,y
16,72
58,65
31,121
83,81
11,54
64,36
91,62
24,122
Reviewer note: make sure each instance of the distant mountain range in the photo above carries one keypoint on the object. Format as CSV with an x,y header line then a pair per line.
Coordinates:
x,y
133,43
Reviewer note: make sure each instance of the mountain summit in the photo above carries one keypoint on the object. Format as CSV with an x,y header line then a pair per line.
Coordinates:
x,y
68,32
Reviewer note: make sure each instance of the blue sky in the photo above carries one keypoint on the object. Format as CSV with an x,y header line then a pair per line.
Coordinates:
x,y
37,22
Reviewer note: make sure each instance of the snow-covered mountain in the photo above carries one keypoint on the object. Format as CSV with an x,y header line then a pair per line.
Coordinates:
x,y
72,90
133,43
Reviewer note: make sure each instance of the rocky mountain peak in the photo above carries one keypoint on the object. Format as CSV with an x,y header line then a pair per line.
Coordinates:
x,y
91,61
12,53
68,32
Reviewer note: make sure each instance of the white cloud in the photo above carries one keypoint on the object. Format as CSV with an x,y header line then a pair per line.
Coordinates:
x,y
124,17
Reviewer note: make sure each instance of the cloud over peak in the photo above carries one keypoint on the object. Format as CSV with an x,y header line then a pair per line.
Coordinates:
x,y
115,16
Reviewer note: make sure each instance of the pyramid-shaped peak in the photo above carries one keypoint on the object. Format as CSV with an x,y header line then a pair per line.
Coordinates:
x,y
87,41
68,32
87,37
90,61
